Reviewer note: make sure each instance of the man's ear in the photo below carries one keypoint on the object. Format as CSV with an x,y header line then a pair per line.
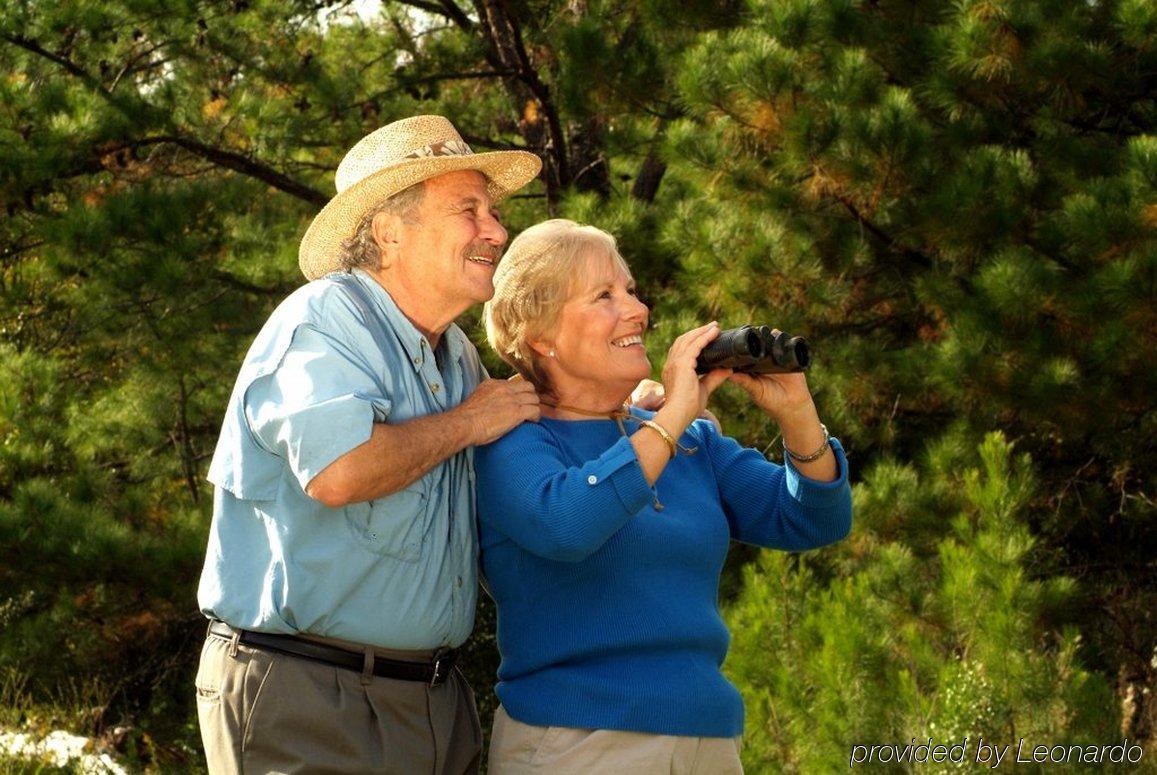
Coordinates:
x,y
386,228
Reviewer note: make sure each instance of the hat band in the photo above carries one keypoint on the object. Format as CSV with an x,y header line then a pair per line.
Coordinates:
x,y
445,148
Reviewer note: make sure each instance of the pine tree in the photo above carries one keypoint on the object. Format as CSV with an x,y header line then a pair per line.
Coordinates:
x,y
955,201
158,165
925,625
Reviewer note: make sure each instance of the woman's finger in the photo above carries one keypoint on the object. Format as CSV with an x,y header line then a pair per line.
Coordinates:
x,y
688,336
745,381
714,379
705,338
692,343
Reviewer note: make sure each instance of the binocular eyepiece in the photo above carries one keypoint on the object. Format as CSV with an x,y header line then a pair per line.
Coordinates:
x,y
755,350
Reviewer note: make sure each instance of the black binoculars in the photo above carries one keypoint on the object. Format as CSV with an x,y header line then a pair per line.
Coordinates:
x,y
755,350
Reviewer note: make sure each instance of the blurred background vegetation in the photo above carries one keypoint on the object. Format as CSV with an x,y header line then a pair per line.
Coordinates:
x,y
955,202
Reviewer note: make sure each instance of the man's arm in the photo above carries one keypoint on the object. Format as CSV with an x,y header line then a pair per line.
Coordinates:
x,y
397,455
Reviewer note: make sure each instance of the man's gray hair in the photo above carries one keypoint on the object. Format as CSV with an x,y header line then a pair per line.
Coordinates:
x,y
360,250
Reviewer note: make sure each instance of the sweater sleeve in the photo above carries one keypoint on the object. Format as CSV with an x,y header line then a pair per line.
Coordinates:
x,y
527,492
775,506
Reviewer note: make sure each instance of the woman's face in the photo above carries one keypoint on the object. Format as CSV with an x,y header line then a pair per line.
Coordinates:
x,y
599,355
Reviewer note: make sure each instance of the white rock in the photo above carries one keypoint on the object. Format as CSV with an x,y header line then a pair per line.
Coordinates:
x,y
60,749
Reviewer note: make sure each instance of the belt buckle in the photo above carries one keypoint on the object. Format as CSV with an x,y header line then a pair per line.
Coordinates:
x,y
442,668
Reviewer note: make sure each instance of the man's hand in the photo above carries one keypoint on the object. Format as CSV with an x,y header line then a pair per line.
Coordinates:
x,y
397,455
496,406
649,395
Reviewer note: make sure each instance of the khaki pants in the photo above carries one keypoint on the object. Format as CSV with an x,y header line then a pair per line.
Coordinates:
x,y
522,749
262,712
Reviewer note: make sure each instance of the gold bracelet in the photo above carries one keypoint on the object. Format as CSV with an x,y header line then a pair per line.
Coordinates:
x,y
659,429
813,456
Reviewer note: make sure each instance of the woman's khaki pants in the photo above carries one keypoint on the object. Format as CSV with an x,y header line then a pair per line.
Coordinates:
x,y
522,749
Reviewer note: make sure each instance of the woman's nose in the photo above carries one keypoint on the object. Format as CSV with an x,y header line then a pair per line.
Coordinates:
x,y
638,310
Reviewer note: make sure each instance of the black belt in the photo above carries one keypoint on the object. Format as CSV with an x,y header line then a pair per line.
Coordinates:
x,y
433,673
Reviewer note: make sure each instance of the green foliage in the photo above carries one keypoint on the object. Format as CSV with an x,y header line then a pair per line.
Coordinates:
x,y
954,201
898,644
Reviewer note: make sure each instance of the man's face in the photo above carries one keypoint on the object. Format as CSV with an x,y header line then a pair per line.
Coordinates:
x,y
448,254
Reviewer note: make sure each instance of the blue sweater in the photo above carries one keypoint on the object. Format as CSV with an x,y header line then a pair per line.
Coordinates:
x,y
607,606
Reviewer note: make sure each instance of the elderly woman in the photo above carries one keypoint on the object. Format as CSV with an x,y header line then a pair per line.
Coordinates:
x,y
604,527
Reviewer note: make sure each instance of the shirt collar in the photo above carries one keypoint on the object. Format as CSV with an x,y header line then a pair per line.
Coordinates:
x,y
413,341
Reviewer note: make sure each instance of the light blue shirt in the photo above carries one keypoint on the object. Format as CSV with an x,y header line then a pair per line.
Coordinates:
x,y
397,572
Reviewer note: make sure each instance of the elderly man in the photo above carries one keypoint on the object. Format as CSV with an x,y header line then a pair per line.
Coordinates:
x,y
341,572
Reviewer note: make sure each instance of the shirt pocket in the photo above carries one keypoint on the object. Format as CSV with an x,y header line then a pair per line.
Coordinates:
x,y
394,525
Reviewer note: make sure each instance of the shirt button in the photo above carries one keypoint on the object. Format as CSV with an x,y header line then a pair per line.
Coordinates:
x,y
459,582
592,479
435,387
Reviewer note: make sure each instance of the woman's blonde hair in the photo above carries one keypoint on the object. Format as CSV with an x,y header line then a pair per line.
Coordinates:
x,y
537,274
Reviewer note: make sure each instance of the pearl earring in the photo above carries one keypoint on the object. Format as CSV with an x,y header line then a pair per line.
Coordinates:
x,y
552,353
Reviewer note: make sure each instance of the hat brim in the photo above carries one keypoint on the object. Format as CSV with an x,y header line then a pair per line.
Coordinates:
x,y
320,251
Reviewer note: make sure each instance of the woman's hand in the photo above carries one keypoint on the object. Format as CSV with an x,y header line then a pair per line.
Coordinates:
x,y
651,396
781,396
787,400
685,392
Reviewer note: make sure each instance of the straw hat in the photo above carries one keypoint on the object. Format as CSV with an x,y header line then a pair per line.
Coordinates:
x,y
391,159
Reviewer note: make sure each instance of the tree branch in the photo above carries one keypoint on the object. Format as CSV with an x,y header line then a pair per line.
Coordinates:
x,y
184,442
247,166
130,65
497,145
11,251
445,8
649,177
507,52
238,163
219,156
461,76
458,15
914,256
238,284
31,45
